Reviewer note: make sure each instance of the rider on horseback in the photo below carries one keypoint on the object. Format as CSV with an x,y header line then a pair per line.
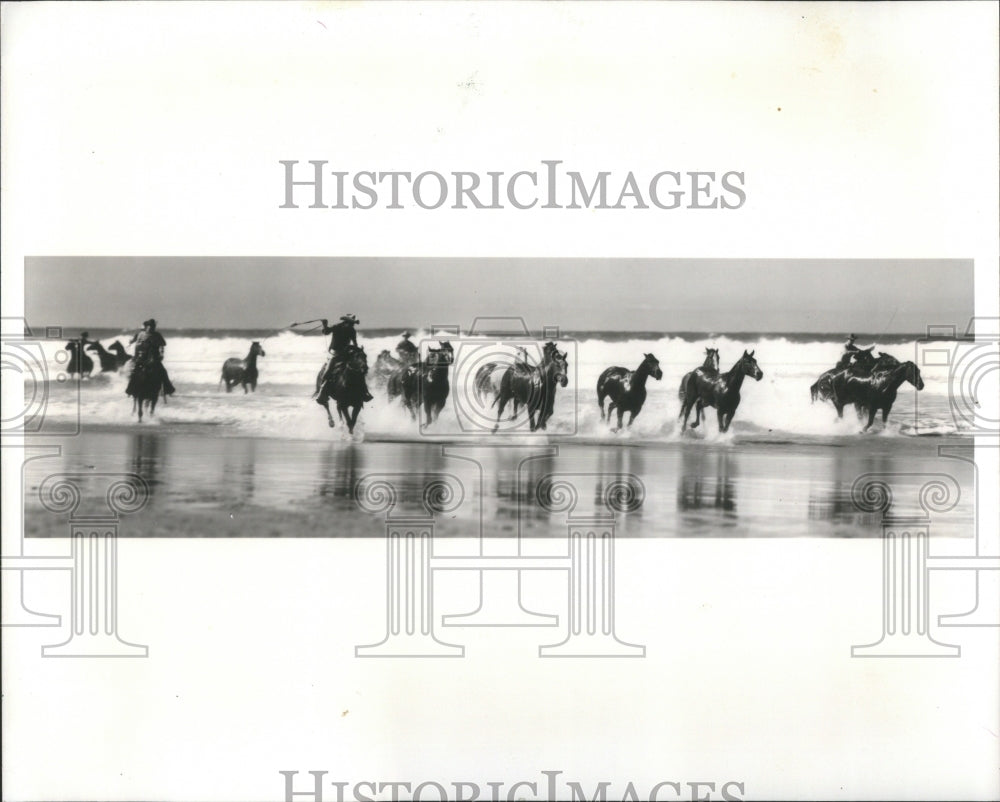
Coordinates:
x,y
408,353
149,345
343,338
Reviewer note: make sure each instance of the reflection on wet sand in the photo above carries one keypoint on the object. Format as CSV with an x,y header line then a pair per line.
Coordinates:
x,y
277,488
147,460
698,488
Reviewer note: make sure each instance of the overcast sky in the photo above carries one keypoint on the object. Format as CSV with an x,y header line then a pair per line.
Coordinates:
x,y
878,296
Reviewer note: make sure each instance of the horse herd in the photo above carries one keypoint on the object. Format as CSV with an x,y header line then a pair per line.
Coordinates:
x,y
861,379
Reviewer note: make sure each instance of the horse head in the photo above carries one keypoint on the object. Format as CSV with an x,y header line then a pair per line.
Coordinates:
x,y
652,365
257,348
357,360
750,367
711,359
117,347
864,358
560,366
444,355
913,376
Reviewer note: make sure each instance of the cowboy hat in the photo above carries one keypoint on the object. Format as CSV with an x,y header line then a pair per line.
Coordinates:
x,y
150,322
405,334
350,319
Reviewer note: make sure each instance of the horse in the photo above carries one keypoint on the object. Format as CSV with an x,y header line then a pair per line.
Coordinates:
x,y
859,360
345,384
144,385
242,371
626,388
709,367
121,355
534,387
109,361
489,377
79,363
425,384
875,391
385,365
721,392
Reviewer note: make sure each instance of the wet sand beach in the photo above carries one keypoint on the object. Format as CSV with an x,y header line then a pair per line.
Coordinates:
x,y
204,486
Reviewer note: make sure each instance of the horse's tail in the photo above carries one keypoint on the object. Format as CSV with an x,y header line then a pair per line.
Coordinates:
x,y
814,392
481,384
681,392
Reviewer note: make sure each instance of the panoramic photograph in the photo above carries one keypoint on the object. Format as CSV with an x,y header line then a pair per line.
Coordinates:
x,y
253,395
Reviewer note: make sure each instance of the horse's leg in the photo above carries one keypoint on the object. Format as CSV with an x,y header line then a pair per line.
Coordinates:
x,y
502,399
698,413
885,413
345,416
354,418
245,390
620,412
631,416
723,425
611,408
329,416
600,403
872,412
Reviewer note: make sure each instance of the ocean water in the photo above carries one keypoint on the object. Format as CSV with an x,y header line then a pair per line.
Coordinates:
x,y
776,409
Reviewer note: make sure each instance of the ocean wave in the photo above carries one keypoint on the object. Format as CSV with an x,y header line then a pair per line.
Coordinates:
x,y
778,406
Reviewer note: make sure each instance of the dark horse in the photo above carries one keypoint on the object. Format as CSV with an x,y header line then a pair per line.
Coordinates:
x,y
626,388
144,385
345,384
385,366
721,392
242,371
875,391
425,384
79,363
489,377
111,358
534,387
121,355
860,360
710,367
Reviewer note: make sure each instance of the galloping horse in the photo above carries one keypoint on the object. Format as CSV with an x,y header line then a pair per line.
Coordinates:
x,y
534,387
860,361
109,361
345,384
490,376
385,366
425,384
626,388
79,363
121,355
874,392
721,392
710,367
144,385
242,371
